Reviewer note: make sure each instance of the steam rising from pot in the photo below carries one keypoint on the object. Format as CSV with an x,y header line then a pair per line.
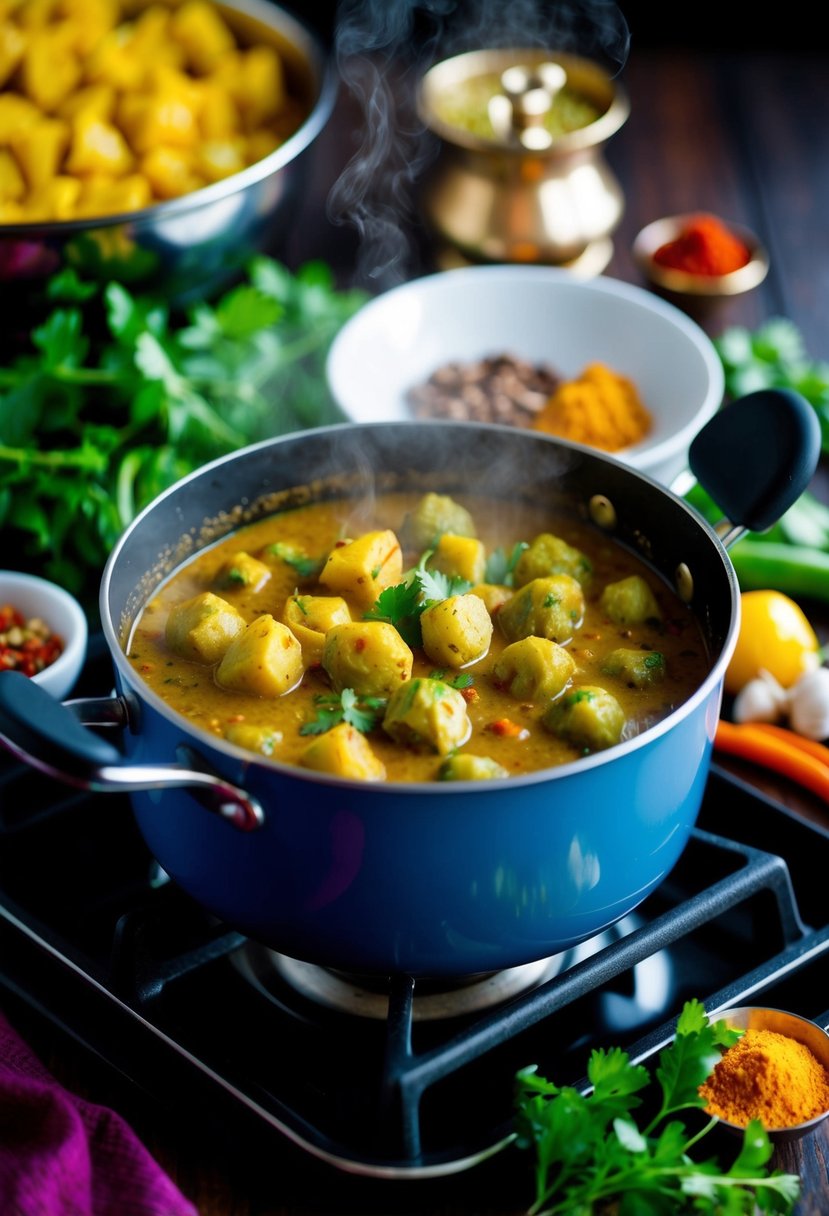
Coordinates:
x,y
382,48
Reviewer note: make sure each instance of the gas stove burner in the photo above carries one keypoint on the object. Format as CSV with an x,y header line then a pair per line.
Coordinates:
x,y
443,998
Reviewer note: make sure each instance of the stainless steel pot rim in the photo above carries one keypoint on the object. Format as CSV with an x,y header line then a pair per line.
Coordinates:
x,y
373,789
147,217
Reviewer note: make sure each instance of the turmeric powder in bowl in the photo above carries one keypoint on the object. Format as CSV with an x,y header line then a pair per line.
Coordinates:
x,y
599,408
768,1076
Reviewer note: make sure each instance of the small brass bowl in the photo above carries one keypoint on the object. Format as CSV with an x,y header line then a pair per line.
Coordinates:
x,y
813,1036
680,282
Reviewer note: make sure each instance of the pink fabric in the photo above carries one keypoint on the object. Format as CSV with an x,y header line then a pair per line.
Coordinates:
x,y
63,1156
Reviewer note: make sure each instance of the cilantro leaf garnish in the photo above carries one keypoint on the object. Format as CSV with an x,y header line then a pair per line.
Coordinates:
x,y
363,713
403,604
500,565
592,1155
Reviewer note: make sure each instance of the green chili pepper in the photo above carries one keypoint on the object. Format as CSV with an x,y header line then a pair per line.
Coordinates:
x,y
795,570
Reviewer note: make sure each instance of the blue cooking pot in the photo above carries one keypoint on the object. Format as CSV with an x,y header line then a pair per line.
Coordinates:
x,y
435,879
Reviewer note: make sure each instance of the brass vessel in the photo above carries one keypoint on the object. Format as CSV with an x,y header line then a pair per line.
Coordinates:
x,y
524,195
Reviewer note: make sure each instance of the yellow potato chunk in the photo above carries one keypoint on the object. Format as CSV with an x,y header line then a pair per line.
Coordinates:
x,y
545,608
588,717
368,656
361,568
16,113
494,595
203,627
49,69
96,99
630,601
427,715
114,61
218,116
12,185
219,158
255,80
534,669
465,767
434,515
56,199
200,30
12,46
344,751
456,631
549,554
242,571
259,739
104,195
170,172
97,147
164,119
265,660
39,150
460,557
310,617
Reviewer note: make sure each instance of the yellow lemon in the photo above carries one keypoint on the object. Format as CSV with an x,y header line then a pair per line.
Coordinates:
x,y
775,636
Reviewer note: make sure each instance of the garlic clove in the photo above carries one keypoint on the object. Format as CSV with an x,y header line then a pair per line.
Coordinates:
x,y
762,699
809,704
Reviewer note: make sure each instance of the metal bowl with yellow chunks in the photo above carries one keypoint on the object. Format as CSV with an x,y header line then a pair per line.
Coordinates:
x,y
159,143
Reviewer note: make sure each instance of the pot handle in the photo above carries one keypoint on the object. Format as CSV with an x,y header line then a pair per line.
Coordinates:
x,y
755,457
47,734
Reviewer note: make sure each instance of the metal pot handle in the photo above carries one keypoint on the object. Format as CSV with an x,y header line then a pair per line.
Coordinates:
x,y
50,736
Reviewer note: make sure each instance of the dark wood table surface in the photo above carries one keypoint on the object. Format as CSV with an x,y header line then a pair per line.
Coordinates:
x,y
743,135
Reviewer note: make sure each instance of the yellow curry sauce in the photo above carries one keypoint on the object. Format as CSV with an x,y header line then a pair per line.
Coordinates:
x,y
505,728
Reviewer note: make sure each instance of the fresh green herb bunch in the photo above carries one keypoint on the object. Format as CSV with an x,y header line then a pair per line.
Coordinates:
x,y
592,1157
117,398
774,356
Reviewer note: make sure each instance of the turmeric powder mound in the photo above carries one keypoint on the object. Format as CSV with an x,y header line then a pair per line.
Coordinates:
x,y
599,408
770,1077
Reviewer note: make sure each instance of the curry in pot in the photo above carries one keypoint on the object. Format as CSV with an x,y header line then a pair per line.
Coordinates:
x,y
428,638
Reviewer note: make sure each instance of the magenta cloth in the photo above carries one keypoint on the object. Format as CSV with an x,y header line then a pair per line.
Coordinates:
x,y
63,1156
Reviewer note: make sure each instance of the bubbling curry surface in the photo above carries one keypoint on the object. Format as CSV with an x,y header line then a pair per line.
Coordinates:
x,y
522,702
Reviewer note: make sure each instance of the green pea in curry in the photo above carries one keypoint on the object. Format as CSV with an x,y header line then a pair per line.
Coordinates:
x,y
438,639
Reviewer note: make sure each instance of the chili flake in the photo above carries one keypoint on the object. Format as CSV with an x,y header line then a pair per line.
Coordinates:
x,y
27,646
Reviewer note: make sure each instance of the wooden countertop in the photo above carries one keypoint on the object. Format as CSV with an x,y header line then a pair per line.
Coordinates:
x,y
743,135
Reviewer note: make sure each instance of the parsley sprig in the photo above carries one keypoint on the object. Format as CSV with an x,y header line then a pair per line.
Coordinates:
x,y
116,397
590,1153
403,604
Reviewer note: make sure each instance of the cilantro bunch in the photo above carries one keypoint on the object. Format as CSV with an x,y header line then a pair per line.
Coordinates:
x,y
591,1155
116,398
774,356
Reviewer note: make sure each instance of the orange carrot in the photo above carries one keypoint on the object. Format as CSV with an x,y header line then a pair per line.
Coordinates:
x,y
506,726
761,747
810,746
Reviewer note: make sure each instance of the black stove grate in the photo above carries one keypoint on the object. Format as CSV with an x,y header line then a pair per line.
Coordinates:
x,y
94,937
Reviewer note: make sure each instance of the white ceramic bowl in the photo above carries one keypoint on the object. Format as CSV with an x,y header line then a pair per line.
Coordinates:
x,y
36,597
539,313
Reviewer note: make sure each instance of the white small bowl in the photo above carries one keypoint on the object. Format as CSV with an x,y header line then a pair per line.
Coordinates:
x,y
37,597
542,314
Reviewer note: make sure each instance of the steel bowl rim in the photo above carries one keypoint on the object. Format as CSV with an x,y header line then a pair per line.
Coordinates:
x,y
308,44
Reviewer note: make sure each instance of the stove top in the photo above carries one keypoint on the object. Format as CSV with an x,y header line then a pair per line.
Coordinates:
x,y
371,1078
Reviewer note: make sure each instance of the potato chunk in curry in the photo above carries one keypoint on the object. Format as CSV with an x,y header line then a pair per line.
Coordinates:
x,y
265,660
202,628
589,717
363,567
465,767
310,617
433,516
534,669
368,656
630,601
344,752
427,715
460,557
637,668
549,554
544,608
456,631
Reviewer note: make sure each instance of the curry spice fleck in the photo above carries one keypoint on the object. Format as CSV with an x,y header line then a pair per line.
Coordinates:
x,y
770,1077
